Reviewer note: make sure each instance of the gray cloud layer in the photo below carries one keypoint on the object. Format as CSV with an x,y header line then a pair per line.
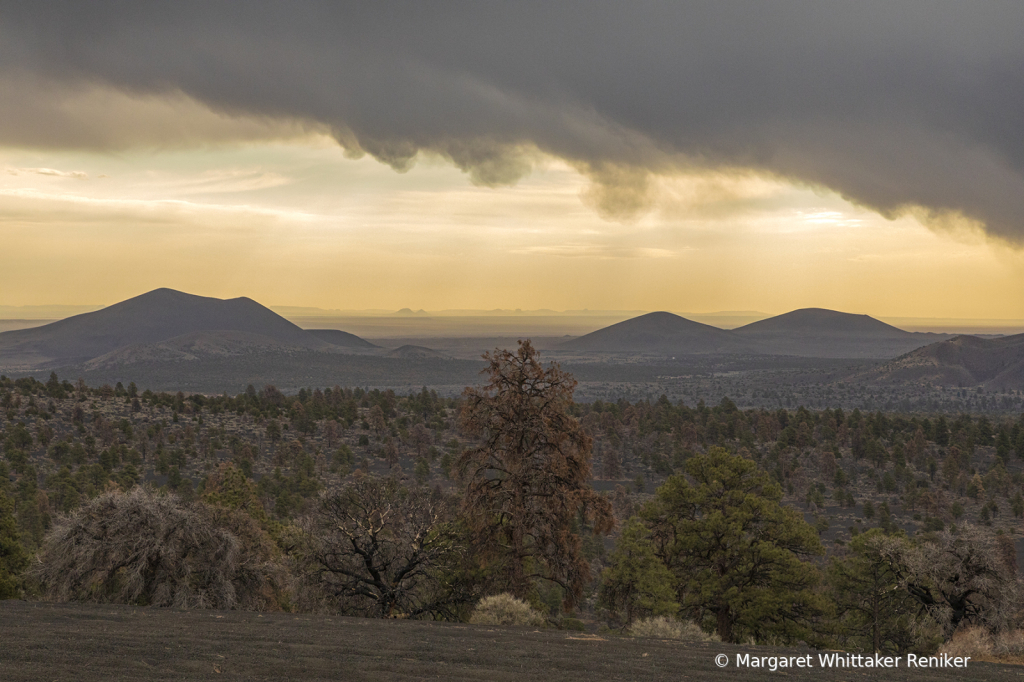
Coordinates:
x,y
892,104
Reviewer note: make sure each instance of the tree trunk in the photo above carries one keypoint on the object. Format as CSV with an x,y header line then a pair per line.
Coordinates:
x,y
724,623
518,574
876,630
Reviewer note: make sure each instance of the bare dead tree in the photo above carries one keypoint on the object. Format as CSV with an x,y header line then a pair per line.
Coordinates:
x,y
380,550
958,578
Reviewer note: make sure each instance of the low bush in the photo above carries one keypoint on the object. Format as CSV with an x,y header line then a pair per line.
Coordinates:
x,y
660,627
969,641
1009,645
981,645
574,624
504,609
156,550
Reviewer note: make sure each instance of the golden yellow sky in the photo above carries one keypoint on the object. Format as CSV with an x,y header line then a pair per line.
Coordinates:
x,y
287,219
494,155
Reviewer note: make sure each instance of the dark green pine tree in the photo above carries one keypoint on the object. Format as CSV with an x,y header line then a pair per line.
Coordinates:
x,y
13,558
876,613
737,555
637,584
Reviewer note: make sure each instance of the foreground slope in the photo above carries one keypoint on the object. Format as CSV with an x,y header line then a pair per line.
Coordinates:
x,y
89,643
996,364
156,317
818,332
660,332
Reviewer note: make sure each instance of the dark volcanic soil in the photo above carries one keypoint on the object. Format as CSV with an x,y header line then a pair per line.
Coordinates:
x,y
93,642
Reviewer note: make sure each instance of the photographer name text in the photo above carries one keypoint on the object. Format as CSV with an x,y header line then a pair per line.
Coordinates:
x,y
843,660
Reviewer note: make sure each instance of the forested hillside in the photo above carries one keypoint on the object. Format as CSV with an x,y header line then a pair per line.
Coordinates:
x,y
851,485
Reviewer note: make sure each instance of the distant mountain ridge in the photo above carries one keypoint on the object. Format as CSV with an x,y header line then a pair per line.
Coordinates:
x,y
821,320
165,325
658,332
809,332
818,332
154,318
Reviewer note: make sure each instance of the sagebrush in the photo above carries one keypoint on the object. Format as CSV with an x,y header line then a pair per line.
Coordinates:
x,y
661,627
981,644
504,609
144,548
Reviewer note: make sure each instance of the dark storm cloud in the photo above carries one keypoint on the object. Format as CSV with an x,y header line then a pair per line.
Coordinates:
x,y
892,104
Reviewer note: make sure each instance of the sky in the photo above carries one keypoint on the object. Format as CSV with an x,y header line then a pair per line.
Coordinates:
x,y
864,157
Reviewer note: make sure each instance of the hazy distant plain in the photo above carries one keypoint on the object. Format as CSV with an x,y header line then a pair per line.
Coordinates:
x,y
451,325
381,327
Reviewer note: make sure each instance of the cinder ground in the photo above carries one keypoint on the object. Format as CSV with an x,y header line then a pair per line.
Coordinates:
x,y
92,642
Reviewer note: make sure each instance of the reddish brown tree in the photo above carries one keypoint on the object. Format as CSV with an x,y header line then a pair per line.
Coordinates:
x,y
421,437
390,452
528,482
332,431
377,421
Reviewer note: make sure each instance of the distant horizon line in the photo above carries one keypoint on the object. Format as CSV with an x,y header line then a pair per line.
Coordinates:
x,y
367,323
60,311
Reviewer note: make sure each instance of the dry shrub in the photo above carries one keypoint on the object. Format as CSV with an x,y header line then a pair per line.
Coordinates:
x,y
981,645
1009,645
973,641
504,609
661,627
260,579
143,548
962,569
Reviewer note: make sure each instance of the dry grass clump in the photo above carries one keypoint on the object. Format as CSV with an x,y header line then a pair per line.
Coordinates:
x,y
981,645
1009,646
504,609
662,627
969,641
